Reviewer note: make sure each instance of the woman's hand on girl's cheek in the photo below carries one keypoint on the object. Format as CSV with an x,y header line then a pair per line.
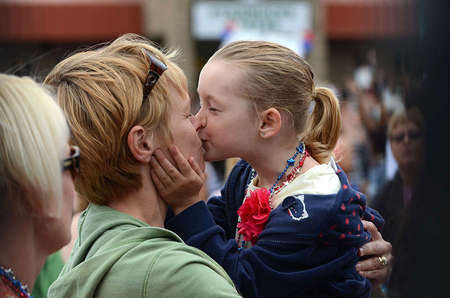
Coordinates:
x,y
377,248
178,185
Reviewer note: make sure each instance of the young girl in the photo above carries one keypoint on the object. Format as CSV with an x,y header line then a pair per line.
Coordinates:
x,y
287,223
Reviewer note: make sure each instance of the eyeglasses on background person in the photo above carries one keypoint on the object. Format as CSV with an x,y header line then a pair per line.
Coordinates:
x,y
412,136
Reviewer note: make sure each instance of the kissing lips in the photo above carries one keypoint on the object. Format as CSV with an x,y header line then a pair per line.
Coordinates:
x,y
205,145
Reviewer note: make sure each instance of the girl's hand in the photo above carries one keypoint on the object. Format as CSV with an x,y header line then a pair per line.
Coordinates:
x,y
376,267
179,186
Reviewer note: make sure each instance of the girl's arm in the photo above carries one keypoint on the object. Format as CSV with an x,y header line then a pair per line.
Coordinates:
x,y
181,186
269,268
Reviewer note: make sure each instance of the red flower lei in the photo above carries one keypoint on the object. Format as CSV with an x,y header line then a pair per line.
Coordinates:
x,y
254,213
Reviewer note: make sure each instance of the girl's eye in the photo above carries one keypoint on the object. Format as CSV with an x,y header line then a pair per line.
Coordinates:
x,y
213,109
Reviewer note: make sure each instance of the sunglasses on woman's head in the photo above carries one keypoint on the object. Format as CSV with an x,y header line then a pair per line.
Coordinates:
x,y
157,67
72,163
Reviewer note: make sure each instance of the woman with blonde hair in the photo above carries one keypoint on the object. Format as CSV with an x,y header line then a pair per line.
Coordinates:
x,y
287,223
124,100
36,189
398,198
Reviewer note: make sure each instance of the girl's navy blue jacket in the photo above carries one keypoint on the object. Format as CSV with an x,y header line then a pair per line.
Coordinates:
x,y
308,248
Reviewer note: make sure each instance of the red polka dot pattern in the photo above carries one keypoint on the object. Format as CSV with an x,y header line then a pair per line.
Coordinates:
x,y
349,210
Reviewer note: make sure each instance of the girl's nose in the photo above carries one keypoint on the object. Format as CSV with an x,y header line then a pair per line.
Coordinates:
x,y
200,120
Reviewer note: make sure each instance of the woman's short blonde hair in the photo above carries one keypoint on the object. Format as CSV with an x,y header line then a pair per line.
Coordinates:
x,y
101,93
33,133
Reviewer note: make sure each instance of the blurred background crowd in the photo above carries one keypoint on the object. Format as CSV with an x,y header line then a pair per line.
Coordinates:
x,y
382,57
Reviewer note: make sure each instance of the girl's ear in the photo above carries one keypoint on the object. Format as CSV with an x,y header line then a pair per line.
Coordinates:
x,y
140,144
270,123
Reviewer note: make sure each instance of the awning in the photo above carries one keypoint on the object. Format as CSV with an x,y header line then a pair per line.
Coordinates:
x,y
362,19
68,20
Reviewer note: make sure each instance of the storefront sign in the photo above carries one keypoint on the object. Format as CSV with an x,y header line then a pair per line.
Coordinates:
x,y
213,19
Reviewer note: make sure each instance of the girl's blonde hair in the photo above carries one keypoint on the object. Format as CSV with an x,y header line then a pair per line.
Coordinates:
x,y
33,133
275,76
101,93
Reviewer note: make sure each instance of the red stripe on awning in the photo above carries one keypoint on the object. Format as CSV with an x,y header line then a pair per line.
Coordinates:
x,y
26,21
370,19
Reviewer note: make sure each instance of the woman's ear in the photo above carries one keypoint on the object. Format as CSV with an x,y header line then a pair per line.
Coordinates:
x,y
140,144
270,123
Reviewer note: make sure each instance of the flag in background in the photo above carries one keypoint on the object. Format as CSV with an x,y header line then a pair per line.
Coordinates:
x,y
230,26
308,41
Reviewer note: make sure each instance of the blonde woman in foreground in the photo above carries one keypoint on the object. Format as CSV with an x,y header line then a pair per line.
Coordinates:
x,y
36,188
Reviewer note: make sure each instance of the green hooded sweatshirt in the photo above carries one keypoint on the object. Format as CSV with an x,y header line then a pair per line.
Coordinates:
x,y
117,255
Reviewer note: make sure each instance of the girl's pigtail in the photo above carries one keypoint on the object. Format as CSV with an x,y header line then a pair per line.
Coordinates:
x,y
323,125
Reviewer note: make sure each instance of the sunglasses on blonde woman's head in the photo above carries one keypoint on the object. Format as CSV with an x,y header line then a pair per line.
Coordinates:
x,y
157,67
72,163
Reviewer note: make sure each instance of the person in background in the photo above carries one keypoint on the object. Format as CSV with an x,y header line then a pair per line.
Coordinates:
x,y
352,150
37,167
406,132
124,100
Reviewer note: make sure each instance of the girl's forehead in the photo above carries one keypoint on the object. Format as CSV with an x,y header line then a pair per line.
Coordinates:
x,y
227,68
219,77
